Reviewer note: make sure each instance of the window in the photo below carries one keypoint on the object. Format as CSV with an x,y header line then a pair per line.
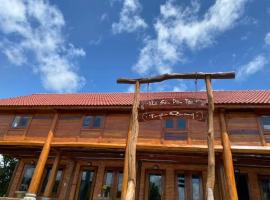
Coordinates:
x,y
112,184
265,187
176,124
181,124
20,121
169,123
266,122
196,187
86,184
175,129
155,186
189,186
27,177
181,187
92,121
56,183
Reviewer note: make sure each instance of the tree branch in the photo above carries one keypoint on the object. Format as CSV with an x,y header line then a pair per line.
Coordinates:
x,y
196,75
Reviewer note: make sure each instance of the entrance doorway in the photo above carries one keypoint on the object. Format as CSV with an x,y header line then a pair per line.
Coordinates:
x,y
242,186
86,183
112,183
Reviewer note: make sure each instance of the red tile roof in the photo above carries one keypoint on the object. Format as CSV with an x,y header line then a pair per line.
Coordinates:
x,y
261,97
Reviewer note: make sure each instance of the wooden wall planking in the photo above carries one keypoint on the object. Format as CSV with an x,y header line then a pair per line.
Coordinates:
x,y
116,126
39,126
243,129
5,121
68,125
150,129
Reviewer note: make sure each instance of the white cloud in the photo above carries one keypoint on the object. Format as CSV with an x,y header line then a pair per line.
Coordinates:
x,y
255,65
179,28
267,39
130,20
95,42
131,88
13,52
33,35
104,17
180,87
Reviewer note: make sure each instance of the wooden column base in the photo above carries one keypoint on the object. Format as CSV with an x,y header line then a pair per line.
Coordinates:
x,y
46,198
30,196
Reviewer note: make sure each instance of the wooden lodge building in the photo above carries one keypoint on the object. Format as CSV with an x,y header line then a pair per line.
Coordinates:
x,y
72,146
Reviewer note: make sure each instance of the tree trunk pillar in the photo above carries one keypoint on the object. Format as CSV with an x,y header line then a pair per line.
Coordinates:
x,y
227,160
210,182
130,158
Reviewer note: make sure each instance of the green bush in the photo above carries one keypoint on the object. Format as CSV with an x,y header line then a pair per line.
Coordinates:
x,y
7,166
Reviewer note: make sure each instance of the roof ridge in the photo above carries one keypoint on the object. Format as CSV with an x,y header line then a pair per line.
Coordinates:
x,y
153,92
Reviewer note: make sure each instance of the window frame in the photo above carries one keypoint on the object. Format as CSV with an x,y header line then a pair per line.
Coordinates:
x,y
175,130
20,127
262,125
246,175
80,177
175,127
115,171
260,177
161,172
188,183
91,125
25,165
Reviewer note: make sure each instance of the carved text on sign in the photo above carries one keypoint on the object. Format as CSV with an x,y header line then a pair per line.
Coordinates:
x,y
159,115
172,102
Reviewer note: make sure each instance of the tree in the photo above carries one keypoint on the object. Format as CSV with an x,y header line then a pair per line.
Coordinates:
x,y
7,166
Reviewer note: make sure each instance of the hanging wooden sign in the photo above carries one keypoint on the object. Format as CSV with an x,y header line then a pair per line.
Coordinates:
x,y
159,115
172,103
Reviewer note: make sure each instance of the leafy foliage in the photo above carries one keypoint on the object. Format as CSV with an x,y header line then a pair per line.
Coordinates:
x,y
154,193
7,166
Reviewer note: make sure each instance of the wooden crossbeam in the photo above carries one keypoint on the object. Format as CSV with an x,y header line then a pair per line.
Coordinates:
x,y
163,77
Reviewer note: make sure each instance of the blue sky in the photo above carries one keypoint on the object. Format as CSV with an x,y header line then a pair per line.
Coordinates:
x,y
84,46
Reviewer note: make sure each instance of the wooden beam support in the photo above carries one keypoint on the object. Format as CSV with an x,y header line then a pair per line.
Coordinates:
x,y
210,182
130,159
53,173
36,178
227,160
163,77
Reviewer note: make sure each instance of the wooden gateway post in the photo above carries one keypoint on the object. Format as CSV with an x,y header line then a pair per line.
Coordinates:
x,y
129,177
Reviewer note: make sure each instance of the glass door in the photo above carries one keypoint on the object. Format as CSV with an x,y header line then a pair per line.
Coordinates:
x,y
189,186
242,186
86,184
155,185
265,187
112,184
